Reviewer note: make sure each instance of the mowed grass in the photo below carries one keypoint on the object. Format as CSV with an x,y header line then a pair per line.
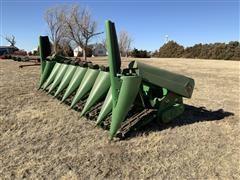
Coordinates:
x,y
42,139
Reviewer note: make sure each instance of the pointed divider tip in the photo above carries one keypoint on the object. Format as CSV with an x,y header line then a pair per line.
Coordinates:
x,y
52,75
66,79
58,77
99,89
75,82
86,85
128,92
106,107
46,72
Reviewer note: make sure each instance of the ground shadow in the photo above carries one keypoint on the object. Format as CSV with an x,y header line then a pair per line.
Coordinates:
x,y
191,115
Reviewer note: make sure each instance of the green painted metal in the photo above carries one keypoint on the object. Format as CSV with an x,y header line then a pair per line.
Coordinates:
x,y
85,86
128,92
174,82
172,112
140,90
53,74
66,79
170,107
58,77
165,91
106,107
114,59
47,71
45,50
99,89
75,82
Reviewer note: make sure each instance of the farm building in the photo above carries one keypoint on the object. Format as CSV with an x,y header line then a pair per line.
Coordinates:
x,y
7,49
77,50
97,49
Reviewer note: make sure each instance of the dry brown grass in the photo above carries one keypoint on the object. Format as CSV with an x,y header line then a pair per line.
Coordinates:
x,y
42,139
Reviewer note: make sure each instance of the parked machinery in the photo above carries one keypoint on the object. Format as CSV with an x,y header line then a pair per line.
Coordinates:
x,y
118,99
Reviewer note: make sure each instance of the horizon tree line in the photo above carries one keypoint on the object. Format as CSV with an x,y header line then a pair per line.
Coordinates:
x,y
227,51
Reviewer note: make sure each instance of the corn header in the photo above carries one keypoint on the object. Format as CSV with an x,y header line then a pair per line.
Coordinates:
x,y
119,100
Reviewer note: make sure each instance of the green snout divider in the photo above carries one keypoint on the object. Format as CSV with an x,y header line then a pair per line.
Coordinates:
x,y
47,71
99,89
128,92
85,86
124,90
106,107
75,82
66,79
58,77
51,77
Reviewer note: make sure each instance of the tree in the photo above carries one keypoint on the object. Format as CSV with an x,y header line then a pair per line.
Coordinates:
x,y
233,50
65,47
202,51
236,55
104,43
55,20
11,40
124,41
155,53
80,26
140,53
195,51
171,50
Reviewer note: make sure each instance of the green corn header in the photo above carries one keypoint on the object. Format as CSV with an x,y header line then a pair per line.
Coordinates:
x,y
118,99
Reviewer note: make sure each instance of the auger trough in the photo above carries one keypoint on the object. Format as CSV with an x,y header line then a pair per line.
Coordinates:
x,y
119,100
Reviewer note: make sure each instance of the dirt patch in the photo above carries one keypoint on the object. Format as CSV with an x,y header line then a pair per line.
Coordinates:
x,y
42,139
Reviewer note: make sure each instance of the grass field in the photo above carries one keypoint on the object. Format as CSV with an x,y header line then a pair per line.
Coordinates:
x,y
42,139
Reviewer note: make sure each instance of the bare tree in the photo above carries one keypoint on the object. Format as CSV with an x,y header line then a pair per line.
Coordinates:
x,y
65,46
124,41
11,40
55,20
104,42
80,26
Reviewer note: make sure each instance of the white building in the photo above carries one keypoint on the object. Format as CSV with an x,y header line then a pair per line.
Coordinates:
x,y
77,50
97,50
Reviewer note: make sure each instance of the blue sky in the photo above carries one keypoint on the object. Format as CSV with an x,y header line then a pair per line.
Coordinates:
x,y
186,21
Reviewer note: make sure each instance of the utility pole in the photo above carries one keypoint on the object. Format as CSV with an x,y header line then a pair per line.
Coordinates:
x,y
166,39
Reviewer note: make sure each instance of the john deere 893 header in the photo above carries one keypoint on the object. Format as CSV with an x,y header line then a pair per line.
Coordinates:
x,y
118,99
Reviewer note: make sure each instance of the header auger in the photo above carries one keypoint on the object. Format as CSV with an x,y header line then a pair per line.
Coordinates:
x,y
118,99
